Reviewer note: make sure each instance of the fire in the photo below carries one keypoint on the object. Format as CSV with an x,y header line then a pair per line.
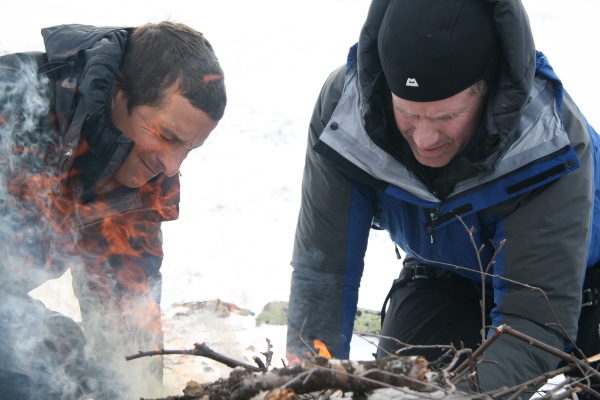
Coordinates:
x,y
54,217
112,244
320,346
292,358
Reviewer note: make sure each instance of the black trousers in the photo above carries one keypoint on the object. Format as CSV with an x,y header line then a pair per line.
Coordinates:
x,y
436,311
446,310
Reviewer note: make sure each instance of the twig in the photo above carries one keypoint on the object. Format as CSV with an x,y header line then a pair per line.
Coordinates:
x,y
555,393
463,367
516,395
504,329
567,394
482,275
201,350
268,354
442,373
469,363
456,357
259,362
314,352
406,345
549,349
540,379
587,390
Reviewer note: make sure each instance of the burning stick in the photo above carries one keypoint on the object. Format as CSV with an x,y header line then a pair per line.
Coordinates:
x,y
201,350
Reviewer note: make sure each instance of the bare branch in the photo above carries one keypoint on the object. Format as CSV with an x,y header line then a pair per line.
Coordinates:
x,y
536,381
482,272
482,276
268,354
463,367
200,350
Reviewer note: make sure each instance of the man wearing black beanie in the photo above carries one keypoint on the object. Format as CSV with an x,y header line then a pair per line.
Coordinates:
x,y
449,130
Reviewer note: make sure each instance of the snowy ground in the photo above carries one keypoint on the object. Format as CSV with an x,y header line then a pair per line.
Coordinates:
x,y
241,191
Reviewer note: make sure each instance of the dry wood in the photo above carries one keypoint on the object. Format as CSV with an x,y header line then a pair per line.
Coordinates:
x,y
202,350
318,374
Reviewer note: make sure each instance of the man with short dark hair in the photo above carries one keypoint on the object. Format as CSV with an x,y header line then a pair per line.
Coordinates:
x,y
447,129
92,135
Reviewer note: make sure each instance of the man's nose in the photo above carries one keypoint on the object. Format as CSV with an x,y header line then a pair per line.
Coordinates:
x,y
426,136
172,159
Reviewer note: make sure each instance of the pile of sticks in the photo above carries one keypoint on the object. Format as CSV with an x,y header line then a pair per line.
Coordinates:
x,y
400,377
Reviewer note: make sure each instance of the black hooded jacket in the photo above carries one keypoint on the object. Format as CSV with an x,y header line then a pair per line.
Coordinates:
x,y
528,186
72,142
60,207
506,103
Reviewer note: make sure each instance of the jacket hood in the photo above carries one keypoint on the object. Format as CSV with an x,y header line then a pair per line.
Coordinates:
x,y
511,90
64,42
85,60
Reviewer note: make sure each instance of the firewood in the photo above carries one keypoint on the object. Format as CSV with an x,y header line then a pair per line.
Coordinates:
x,y
317,374
202,350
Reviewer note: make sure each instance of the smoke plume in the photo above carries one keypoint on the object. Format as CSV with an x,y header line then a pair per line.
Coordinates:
x,y
45,354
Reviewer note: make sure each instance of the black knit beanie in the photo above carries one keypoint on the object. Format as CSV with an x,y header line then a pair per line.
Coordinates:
x,y
433,49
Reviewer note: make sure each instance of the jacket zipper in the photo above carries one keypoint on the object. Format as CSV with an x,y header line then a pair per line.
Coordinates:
x,y
433,216
434,213
99,221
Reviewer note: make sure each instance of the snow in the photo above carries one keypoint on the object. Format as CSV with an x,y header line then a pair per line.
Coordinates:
x,y
241,191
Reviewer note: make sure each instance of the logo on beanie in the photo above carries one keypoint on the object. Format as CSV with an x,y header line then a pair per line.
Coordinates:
x,y
412,82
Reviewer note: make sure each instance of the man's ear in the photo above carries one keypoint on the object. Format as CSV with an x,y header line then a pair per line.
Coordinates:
x,y
118,86
119,102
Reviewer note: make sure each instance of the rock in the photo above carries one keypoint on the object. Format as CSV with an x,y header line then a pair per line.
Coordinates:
x,y
220,308
193,389
275,313
367,321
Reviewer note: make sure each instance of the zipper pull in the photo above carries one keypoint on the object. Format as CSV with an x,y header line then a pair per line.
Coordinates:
x,y
433,216
397,252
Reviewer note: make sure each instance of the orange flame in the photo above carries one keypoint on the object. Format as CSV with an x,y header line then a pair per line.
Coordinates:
x,y
323,351
319,346
102,232
292,358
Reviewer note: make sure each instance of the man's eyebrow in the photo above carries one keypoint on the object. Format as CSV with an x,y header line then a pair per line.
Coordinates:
x,y
450,115
441,117
172,135
444,117
403,111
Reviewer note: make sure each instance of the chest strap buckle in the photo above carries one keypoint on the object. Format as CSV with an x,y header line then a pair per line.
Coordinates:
x,y
589,297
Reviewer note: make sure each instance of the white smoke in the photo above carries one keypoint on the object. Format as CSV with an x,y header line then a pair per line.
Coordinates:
x,y
38,348
25,150
44,354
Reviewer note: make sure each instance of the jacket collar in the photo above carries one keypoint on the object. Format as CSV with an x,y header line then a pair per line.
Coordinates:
x,y
539,142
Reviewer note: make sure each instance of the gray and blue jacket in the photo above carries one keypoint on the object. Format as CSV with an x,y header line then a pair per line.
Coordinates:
x,y
526,189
